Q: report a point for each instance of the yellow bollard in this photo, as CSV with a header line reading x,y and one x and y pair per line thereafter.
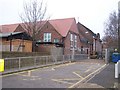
x,y
1,65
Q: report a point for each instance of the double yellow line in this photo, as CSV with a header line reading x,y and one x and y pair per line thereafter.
x,y
93,73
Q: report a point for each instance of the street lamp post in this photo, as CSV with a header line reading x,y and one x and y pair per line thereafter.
x,y
119,26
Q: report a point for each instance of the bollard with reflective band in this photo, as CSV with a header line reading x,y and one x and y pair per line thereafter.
x,y
1,65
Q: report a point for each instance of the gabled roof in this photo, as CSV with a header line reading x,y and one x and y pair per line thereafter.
x,y
85,32
63,26
8,28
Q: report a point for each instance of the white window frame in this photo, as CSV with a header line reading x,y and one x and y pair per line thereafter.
x,y
47,37
71,40
56,40
71,37
75,41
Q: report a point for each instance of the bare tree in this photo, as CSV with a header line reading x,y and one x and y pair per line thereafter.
x,y
111,31
33,18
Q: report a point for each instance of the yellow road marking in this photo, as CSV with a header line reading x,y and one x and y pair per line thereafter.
x,y
78,75
61,81
94,75
39,78
87,76
32,79
87,70
16,73
53,69
12,74
24,79
116,85
90,68
63,65
69,79
28,74
35,76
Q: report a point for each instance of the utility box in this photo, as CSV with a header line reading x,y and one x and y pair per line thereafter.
x,y
115,57
1,65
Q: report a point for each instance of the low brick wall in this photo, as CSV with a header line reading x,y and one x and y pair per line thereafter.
x,y
22,54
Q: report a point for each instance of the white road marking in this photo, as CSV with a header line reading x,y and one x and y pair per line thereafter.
x,y
87,70
25,79
78,75
61,81
33,79
69,79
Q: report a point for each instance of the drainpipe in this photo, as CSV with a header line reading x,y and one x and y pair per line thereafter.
x,y
10,42
73,53
63,45
95,45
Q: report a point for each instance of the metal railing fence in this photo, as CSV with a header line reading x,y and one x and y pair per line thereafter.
x,y
23,63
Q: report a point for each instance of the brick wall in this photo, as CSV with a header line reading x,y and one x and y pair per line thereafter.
x,y
19,29
67,49
48,28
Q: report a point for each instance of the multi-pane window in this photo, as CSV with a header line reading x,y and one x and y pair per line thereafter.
x,y
71,37
47,37
56,40
73,41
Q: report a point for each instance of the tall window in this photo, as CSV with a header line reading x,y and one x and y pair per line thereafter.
x,y
75,42
71,41
71,37
47,37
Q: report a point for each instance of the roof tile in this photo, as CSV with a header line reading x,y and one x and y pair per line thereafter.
x,y
63,26
8,28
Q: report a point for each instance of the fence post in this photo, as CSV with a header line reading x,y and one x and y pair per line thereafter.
x,y
35,61
46,59
19,62
63,59
69,57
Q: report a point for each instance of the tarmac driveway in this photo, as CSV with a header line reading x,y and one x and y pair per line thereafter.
x,y
58,76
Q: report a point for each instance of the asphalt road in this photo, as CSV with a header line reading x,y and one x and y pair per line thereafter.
x,y
60,76
106,78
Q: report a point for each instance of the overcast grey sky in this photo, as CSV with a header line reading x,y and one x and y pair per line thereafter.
x,y
91,13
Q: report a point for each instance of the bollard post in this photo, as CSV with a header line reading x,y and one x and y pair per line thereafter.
x,y
1,65
106,56
116,70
